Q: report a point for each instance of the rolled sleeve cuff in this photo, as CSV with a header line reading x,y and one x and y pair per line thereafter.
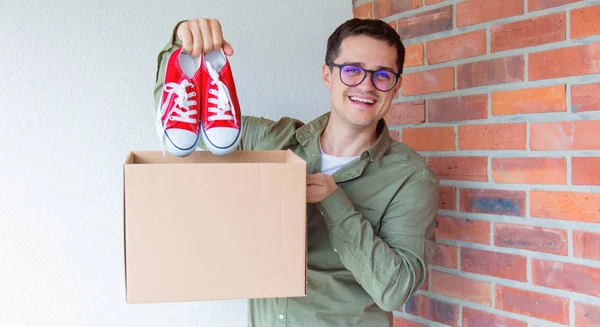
x,y
336,207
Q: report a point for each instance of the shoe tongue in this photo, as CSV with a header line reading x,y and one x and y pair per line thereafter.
x,y
216,60
189,65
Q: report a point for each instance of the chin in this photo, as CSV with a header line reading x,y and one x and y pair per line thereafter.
x,y
359,121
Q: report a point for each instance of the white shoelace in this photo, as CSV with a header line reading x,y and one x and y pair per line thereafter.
x,y
180,111
223,98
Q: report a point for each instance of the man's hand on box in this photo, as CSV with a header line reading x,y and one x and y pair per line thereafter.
x,y
318,187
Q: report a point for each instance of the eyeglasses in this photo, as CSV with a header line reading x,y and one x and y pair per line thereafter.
x,y
351,75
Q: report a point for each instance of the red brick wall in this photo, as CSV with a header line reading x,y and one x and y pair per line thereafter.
x,y
503,98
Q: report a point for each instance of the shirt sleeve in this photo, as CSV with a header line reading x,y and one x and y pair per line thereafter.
x,y
173,44
389,264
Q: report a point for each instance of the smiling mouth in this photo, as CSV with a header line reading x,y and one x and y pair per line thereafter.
x,y
361,100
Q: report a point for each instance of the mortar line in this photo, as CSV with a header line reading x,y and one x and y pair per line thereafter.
x,y
527,136
521,252
571,312
570,242
533,222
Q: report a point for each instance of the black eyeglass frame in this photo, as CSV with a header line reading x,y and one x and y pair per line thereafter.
x,y
340,66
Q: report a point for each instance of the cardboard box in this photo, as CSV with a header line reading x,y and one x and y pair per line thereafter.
x,y
207,227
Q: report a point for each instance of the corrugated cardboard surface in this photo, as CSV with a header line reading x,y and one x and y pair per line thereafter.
x,y
206,227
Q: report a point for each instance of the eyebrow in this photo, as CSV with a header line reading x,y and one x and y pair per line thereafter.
x,y
360,64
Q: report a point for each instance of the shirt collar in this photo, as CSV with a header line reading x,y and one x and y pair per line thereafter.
x,y
315,127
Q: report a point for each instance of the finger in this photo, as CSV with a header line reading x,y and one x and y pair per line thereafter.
x,y
198,42
227,48
206,36
217,34
310,179
310,194
185,35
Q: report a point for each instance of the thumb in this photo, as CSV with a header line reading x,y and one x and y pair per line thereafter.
x,y
227,48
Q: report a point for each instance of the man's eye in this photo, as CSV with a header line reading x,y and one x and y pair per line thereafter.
x,y
383,75
352,70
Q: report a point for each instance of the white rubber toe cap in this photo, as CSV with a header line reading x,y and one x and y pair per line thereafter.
x,y
180,142
221,140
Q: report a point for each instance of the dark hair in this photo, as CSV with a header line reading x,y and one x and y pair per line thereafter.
x,y
374,28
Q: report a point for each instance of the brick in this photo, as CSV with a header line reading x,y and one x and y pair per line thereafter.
x,y
583,207
492,137
428,22
411,112
466,230
430,138
472,12
430,2
587,315
395,135
584,21
476,318
461,288
447,199
414,55
586,245
401,322
461,46
532,304
571,135
363,11
432,309
394,25
531,238
431,81
585,97
385,8
491,72
499,202
501,265
577,60
530,32
585,170
566,276
529,170
531,100
460,168
468,107
445,256
534,5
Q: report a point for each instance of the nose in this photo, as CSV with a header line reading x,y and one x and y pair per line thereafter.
x,y
367,83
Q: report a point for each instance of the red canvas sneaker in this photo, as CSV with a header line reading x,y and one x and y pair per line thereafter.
x,y
221,116
178,114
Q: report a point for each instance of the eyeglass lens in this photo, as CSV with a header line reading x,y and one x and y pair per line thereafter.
x,y
383,80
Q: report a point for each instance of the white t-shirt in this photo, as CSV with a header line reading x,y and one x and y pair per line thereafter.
x,y
330,164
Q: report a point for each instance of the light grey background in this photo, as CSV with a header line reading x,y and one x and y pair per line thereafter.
x,y
76,96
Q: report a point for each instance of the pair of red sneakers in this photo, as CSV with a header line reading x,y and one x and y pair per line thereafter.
x,y
198,99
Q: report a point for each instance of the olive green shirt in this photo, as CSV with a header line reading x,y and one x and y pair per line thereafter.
x,y
368,244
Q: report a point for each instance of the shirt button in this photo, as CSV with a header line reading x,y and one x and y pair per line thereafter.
x,y
334,250
281,317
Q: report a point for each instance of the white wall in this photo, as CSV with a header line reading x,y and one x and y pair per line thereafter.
x,y
75,96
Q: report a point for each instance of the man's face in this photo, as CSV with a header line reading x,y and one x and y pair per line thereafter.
x,y
363,105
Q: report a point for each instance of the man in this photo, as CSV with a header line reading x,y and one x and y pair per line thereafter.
x,y
372,202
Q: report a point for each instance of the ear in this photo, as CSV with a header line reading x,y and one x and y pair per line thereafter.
x,y
326,72
398,86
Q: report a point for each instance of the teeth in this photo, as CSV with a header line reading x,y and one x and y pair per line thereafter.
x,y
362,100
